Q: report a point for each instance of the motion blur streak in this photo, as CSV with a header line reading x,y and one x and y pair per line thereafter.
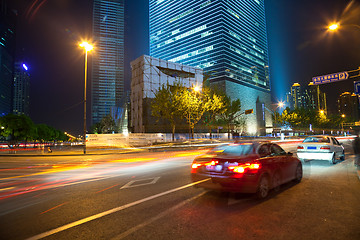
x,y
53,208
107,188
99,215
35,10
188,154
134,160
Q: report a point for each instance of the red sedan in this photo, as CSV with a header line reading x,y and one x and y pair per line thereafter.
x,y
246,166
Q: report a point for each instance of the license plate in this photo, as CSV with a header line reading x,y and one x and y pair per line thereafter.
x,y
217,168
311,147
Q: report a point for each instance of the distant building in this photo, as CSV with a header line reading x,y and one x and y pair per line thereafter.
x,y
148,75
314,98
228,39
348,104
309,98
289,101
296,95
7,56
107,85
21,89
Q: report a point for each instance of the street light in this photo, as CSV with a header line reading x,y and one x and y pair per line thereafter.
x,y
196,89
87,47
342,123
333,26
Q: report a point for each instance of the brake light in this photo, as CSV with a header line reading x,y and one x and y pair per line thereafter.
x,y
325,148
196,165
300,147
212,163
247,167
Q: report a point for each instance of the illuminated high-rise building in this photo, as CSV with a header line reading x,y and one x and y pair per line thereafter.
x,y
108,58
7,56
296,95
226,38
21,96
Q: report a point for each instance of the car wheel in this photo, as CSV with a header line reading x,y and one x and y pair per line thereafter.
x,y
263,188
342,158
333,160
298,173
276,181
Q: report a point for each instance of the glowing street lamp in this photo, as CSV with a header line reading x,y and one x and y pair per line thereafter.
x,y
333,26
281,104
87,47
196,89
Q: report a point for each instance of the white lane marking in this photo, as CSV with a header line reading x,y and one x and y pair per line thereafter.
x,y
151,220
99,215
150,181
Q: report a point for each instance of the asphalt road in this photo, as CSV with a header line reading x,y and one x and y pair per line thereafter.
x,y
150,196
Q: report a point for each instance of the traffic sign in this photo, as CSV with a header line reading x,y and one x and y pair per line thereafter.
x,y
333,77
357,87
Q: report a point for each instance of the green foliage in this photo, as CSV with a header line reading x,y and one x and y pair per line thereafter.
x,y
16,128
301,118
106,125
232,114
193,105
177,102
166,104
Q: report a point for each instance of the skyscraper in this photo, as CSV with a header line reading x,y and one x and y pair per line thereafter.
x,y
108,58
296,95
21,89
7,56
227,39
348,104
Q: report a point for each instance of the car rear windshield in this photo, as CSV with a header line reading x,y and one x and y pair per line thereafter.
x,y
317,139
234,149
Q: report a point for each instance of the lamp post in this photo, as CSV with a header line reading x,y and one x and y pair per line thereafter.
x,y
87,47
342,123
278,105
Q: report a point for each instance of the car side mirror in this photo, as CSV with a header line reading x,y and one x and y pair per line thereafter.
x,y
290,153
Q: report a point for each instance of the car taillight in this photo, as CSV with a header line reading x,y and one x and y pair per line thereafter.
x,y
247,167
212,163
325,148
196,165
300,147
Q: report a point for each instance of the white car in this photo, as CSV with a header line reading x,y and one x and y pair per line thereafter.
x,y
321,148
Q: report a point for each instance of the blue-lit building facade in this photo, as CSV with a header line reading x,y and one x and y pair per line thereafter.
x,y
7,56
107,83
226,38
21,93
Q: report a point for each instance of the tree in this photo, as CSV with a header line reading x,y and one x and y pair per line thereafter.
x,y
106,125
166,104
232,113
216,106
192,106
17,128
44,133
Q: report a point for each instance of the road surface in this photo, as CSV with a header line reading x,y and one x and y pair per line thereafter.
x,y
150,196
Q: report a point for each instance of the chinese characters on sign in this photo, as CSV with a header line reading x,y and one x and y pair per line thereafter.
x,y
334,77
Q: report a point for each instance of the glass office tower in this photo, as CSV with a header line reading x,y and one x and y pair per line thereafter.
x,y
228,39
7,56
21,98
108,58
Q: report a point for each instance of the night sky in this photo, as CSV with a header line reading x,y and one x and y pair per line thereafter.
x,y
299,47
